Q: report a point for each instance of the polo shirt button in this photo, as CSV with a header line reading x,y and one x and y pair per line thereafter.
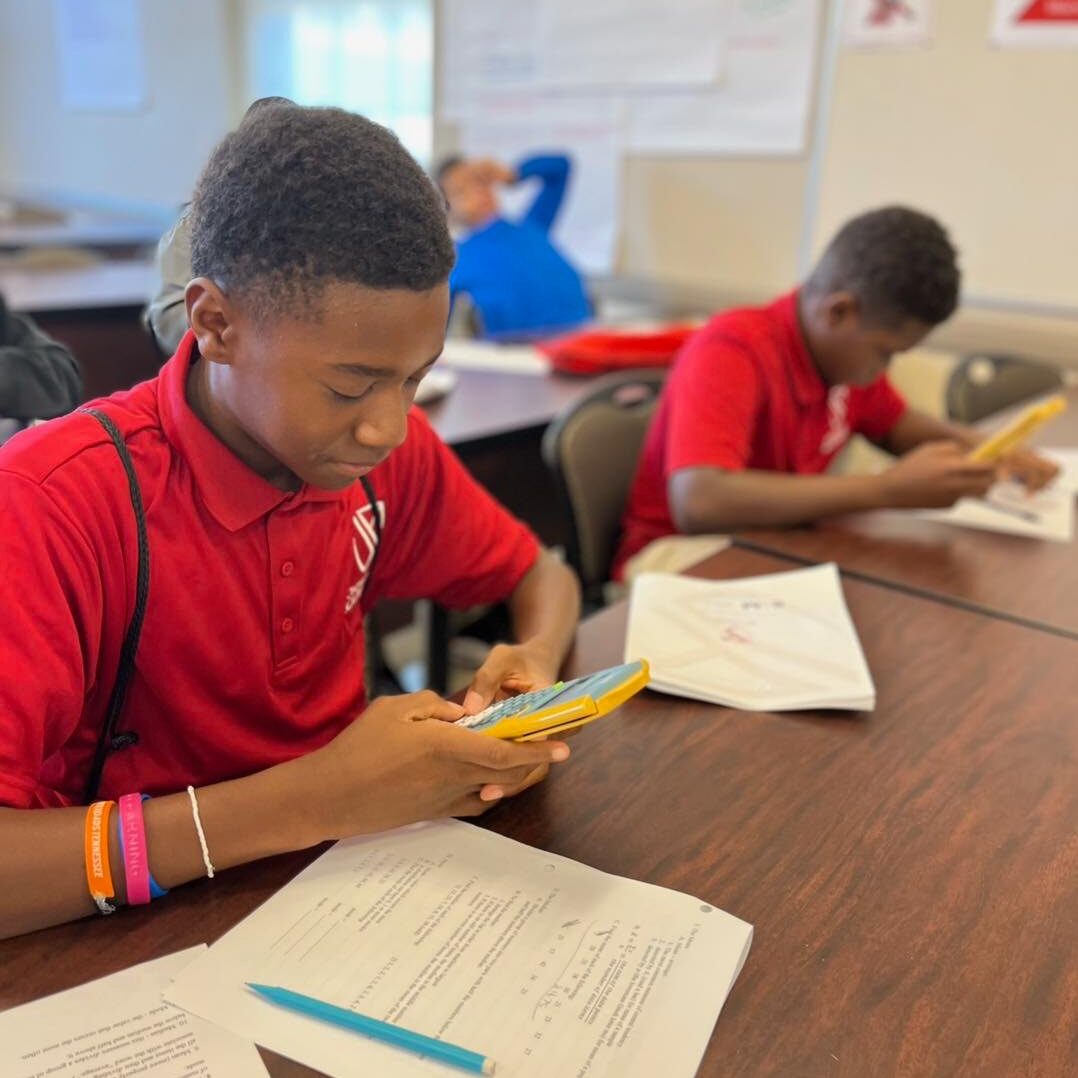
x,y
286,568
287,625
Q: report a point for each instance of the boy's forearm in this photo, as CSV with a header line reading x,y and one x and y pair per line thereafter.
x,y
43,879
710,501
545,607
915,428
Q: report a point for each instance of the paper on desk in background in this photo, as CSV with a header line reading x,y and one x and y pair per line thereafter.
x,y
436,384
544,965
118,1026
780,642
486,356
1067,459
1008,508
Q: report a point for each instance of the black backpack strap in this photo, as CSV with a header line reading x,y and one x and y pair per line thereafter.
x,y
109,739
368,489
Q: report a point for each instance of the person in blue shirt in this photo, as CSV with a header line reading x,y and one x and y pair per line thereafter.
x,y
518,281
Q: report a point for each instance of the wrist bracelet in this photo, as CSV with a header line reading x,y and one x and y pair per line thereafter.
x,y
96,851
141,886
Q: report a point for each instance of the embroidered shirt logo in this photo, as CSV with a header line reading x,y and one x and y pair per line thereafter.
x,y
364,545
838,425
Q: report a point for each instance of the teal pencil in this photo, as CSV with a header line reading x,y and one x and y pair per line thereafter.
x,y
376,1029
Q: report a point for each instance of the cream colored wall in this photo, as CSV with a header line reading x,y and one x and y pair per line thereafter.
x,y
982,137
731,225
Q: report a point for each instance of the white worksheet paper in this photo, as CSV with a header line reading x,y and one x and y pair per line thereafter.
x,y
1067,459
487,356
542,964
118,1026
780,642
1008,508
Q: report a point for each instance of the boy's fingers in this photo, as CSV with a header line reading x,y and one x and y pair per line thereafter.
x,y
496,755
437,709
487,681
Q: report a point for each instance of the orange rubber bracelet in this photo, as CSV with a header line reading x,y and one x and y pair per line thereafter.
x,y
98,869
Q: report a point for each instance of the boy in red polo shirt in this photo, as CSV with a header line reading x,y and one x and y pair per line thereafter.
x,y
761,400
320,299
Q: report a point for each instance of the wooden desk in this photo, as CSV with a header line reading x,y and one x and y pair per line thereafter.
x,y
491,404
495,421
1028,580
912,875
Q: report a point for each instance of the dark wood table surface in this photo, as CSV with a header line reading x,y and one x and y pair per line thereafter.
x,y
1028,580
490,404
495,421
912,874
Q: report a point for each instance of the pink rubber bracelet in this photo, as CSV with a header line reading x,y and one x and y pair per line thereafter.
x,y
136,856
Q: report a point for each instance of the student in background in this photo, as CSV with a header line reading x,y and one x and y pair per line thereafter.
x,y
518,281
165,317
39,378
761,400
288,485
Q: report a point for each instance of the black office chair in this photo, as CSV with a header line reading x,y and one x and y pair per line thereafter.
x,y
981,385
592,450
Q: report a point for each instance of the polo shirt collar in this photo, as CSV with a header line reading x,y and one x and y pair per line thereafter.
x,y
808,386
234,493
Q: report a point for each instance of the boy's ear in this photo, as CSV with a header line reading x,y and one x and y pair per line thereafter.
x,y
841,309
211,316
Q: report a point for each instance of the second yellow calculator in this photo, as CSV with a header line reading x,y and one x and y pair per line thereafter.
x,y
561,707
1018,430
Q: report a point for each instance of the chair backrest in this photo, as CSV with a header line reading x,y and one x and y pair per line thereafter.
x,y
981,385
592,450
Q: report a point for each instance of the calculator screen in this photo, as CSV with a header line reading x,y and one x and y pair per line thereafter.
x,y
594,685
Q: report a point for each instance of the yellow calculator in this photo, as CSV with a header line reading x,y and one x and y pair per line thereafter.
x,y
1018,430
561,707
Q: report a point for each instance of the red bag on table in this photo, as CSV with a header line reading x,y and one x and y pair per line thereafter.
x,y
599,351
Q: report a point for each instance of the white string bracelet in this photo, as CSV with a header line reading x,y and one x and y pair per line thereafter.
x,y
201,834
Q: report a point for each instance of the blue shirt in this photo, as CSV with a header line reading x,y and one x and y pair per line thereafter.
x,y
520,283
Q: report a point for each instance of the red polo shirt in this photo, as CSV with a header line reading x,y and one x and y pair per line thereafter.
x,y
252,644
744,393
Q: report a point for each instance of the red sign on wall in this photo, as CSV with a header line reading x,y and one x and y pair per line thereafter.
x,y
1041,11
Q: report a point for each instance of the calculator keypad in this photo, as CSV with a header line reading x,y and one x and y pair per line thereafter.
x,y
511,707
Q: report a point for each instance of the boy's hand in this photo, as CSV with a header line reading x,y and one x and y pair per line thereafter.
x,y
510,669
934,476
403,761
488,170
1029,468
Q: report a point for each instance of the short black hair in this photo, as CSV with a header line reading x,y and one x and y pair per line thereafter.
x,y
444,165
898,262
296,198
260,103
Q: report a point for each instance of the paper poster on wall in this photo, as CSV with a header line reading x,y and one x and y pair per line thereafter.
x,y
589,132
630,44
556,46
101,57
887,24
763,104
1035,24
487,47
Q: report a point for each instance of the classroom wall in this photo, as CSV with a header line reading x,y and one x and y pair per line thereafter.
x,y
731,225
980,136
150,157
